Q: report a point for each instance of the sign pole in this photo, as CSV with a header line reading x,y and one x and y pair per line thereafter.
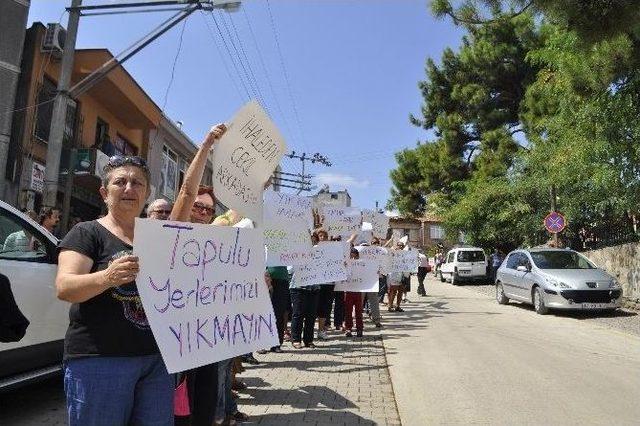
x,y
553,209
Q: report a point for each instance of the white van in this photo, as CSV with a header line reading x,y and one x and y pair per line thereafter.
x,y
464,264
28,263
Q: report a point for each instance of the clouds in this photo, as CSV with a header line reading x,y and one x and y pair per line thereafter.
x,y
340,180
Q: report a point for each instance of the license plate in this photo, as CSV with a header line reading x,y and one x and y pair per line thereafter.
x,y
464,272
596,305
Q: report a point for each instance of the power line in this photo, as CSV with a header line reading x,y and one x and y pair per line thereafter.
x,y
173,67
285,73
235,48
222,58
244,53
226,46
266,72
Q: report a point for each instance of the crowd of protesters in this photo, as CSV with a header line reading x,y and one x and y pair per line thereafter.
x,y
113,371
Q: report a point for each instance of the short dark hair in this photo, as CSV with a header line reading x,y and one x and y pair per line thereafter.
x,y
204,189
46,213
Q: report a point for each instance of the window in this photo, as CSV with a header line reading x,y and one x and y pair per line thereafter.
x,y
182,173
168,173
436,232
450,257
414,234
560,260
471,256
18,241
102,137
513,261
44,111
123,146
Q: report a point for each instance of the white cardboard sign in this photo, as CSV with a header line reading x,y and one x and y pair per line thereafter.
x,y
287,219
379,222
203,291
362,277
343,221
324,265
403,261
245,158
378,254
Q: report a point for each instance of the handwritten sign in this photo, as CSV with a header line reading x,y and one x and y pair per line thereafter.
x,y
378,254
287,219
244,158
203,291
362,277
324,265
403,261
343,221
379,222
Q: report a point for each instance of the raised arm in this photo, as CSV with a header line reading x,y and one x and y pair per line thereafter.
x,y
184,201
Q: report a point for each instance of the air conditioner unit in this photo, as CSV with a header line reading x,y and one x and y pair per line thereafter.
x,y
54,39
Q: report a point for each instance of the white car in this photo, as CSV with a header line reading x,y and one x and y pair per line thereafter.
x,y
28,260
464,264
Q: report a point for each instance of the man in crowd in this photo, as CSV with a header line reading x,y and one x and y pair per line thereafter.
x,y
159,209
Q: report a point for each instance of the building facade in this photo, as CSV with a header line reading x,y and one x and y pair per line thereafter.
x,y
325,197
426,233
13,20
115,116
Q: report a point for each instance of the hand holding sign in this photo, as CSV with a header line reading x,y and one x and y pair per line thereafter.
x,y
245,158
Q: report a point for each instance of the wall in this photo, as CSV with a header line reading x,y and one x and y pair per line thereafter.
x,y
622,262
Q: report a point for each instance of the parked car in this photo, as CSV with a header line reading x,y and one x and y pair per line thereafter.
x,y
28,262
464,264
556,279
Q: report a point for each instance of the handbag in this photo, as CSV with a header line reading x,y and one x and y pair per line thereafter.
x,y
181,406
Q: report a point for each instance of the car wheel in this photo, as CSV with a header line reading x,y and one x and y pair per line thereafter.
x,y
500,297
441,277
454,279
538,302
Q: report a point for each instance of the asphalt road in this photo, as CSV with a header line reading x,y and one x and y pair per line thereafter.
x,y
457,357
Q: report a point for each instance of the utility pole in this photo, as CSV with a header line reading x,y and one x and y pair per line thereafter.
x,y
552,193
316,158
59,115
68,189
64,93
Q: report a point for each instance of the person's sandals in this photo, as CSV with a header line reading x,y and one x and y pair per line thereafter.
x,y
348,334
359,334
309,345
391,308
276,349
399,309
240,416
297,345
239,385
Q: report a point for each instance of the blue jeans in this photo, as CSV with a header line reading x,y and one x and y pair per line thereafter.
x,y
226,405
110,391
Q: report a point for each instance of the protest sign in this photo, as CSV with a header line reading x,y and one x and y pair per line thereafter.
x,y
287,219
288,208
244,159
366,234
362,277
324,265
377,254
203,291
403,261
379,222
342,221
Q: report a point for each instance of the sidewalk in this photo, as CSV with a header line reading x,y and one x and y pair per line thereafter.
x,y
343,381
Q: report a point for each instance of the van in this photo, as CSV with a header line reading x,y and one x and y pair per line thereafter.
x,y
464,264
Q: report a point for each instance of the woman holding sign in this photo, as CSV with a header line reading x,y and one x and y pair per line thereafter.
x,y
113,372
196,203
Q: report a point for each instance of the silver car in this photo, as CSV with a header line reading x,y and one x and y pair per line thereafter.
x,y
556,279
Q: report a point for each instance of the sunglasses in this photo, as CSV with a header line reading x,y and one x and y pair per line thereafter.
x,y
161,211
121,160
203,208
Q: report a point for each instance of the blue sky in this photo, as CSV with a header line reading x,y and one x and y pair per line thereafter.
x,y
344,84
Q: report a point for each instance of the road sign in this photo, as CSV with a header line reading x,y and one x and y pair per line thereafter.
x,y
555,222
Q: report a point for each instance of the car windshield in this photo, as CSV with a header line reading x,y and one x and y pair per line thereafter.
x,y
471,256
560,260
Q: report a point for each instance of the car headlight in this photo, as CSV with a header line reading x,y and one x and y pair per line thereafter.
x,y
614,284
557,283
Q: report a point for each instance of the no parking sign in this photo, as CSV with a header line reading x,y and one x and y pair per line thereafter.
x,y
555,222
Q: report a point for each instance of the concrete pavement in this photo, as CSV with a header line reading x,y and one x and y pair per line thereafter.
x,y
457,357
